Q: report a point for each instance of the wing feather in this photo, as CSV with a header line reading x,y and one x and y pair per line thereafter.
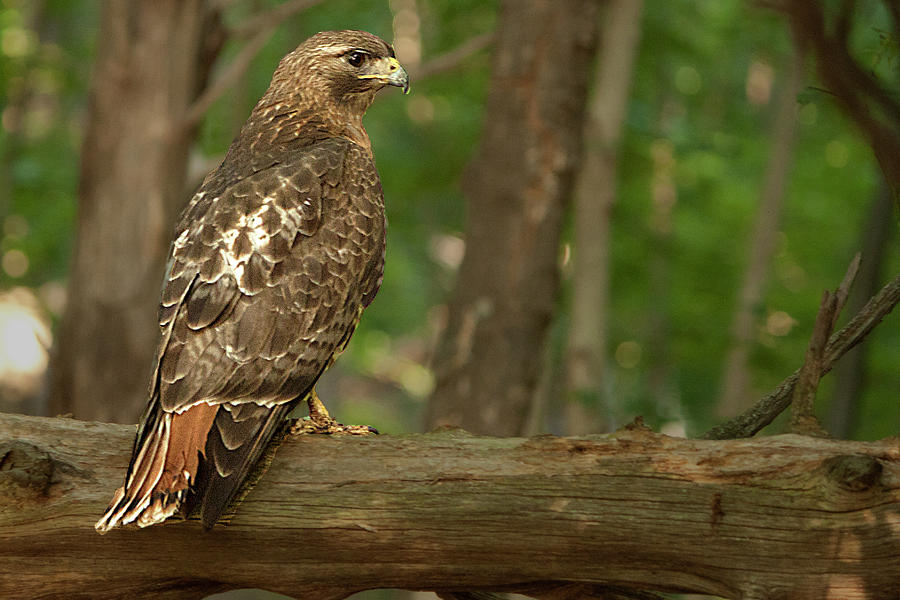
x,y
209,302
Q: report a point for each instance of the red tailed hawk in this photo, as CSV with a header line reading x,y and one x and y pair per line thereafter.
x,y
275,257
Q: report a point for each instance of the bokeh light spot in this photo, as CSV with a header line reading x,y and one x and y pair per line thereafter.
x,y
688,80
628,354
15,263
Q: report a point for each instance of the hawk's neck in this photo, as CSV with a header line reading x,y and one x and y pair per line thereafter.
x,y
306,120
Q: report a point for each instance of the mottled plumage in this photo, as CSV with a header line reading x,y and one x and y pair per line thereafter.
x,y
274,259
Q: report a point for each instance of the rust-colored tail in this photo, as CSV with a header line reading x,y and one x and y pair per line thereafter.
x,y
164,463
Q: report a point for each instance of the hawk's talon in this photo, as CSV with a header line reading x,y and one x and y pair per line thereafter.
x,y
307,426
320,422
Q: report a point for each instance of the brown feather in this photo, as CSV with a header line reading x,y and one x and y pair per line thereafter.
x,y
187,442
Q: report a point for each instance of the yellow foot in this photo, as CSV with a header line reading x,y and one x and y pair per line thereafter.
x,y
308,426
318,414
320,421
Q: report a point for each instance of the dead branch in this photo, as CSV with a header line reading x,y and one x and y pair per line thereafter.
x,y
780,517
751,421
803,417
229,76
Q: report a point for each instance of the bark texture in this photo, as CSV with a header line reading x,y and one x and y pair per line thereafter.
x,y
152,58
780,518
488,360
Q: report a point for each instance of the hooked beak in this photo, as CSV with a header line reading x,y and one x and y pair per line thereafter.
x,y
398,77
390,72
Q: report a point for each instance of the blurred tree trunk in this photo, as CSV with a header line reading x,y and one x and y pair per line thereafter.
x,y
735,394
664,194
594,197
152,58
488,359
850,373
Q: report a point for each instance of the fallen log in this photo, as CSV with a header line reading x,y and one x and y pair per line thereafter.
x,y
782,517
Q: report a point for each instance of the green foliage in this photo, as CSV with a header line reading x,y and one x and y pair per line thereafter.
x,y
689,93
45,68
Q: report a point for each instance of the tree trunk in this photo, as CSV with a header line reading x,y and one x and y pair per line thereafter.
x,y
780,518
149,68
594,197
736,394
488,360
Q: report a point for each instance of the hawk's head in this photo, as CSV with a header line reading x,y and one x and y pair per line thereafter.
x,y
343,67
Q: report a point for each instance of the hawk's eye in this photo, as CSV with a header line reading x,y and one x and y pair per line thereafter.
x,y
356,58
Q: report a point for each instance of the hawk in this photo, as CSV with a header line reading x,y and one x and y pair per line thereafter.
x,y
274,259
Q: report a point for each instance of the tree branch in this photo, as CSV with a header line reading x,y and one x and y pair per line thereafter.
x,y
803,416
261,29
452,58
782,517
751,421
865,100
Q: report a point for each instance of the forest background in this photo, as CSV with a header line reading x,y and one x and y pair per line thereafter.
x,y
739,192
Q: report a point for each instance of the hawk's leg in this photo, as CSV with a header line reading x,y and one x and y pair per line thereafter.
x,y
321,422
318,414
